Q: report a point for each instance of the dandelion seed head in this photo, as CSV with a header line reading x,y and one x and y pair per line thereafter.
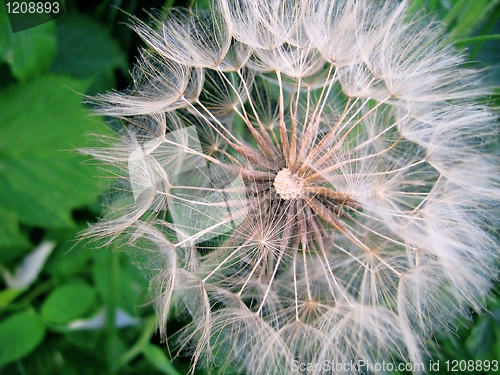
x,y
308,180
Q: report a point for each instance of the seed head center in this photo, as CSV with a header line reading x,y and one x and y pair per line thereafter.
x,y
288,185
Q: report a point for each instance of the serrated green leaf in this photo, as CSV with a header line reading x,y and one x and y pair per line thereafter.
x,y
68,302
158,359
40,123
29,52
19,335
87,50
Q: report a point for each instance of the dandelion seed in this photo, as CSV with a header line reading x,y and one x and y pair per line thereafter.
x,y
309,180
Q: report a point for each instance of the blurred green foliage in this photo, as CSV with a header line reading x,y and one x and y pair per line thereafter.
x,y
66,308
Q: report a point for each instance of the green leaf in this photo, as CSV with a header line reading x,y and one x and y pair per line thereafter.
x,y
200,4
167,7
158,359
468,16
40,123
70,257
455,11
68,302
9,295
477,39
19,335
87,50
147,332
129,293
10,235
481,339
29,52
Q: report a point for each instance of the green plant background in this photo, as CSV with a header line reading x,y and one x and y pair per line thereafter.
x,y
86,310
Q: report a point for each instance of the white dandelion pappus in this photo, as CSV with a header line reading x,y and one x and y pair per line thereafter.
x,y
309,180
